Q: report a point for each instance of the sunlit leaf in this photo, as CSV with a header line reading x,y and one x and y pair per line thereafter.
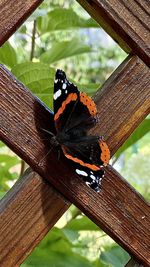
x,y
2,144
2,194
72,235
63,50
38,77
89,88
56,249
83,223
8,55
47,258
115,256
64,19
9,160
37,13
142,129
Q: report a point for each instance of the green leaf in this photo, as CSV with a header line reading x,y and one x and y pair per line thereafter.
x,y
72,235
2,194
8,55
89,88
64,19
83,223
115,256
63,50
56,250
8,160
99,263
39,12
38,77
52,237
2,144
47,258
143,129
5,175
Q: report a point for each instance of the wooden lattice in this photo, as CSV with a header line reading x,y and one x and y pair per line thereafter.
x,y
33,205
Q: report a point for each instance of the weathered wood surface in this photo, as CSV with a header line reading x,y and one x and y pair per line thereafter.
x,y
13,14
27,212
133,263
128,22
123,102
117,209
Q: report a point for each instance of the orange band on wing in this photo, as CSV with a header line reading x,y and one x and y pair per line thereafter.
x,y
71,97
89,103
90,166
105,155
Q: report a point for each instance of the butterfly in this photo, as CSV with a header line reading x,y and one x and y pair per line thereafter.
x,y
74,115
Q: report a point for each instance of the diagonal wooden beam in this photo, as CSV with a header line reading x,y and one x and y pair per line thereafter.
x,y
127,22
13,15
123,102
118,209
133,263
27,212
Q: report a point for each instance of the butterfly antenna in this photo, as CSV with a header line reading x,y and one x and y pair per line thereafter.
x,y
46,131
46,154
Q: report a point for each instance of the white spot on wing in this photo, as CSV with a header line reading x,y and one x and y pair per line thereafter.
x,y
64,86
57,94
93,177
66,91
56,80
87,183
81,172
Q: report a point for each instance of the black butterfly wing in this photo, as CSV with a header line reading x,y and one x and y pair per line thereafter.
x,y
72,109
74,114
89,155
62,88
92,178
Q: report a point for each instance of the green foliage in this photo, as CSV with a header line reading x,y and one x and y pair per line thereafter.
x,y
82,223
56,250
8,55
38,77
6,163
63,50
140,131
63,19
114,256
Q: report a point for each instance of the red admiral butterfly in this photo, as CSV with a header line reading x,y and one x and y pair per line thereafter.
x,y
74,115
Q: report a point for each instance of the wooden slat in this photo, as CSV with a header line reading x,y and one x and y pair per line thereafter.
x,y
27,212
118,209
128,22
124,101
13,14
133,263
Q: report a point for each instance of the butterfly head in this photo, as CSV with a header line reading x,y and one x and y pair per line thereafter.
x,y
60,75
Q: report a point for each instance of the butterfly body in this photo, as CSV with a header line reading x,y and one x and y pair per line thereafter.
x,y
74,115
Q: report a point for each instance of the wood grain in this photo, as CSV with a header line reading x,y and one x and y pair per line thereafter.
x,y
133,263
126,101
127,22
13,15
117,209
27,212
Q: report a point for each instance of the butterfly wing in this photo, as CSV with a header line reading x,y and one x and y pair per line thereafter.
x,y
74,115
72,108
89,156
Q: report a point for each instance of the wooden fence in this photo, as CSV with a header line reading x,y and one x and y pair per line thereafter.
x,y
35,203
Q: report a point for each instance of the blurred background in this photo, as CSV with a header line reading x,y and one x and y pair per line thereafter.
x,y
60,34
